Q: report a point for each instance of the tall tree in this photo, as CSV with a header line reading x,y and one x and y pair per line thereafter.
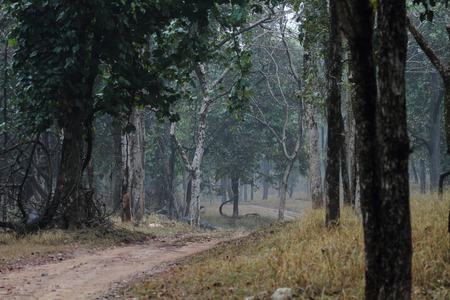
x,y
137,163
63,49
334,74
383,153
313,134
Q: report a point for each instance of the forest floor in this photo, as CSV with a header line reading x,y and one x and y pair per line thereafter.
x,y
100,272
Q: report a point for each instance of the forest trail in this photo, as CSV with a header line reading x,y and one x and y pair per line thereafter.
x,y
91,275
266,211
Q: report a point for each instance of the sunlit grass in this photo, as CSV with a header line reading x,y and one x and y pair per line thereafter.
x,y
316,263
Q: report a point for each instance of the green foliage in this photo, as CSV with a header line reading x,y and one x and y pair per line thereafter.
x,y
67,49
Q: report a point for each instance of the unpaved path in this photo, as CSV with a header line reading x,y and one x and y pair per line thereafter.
x,y
89,276
266,211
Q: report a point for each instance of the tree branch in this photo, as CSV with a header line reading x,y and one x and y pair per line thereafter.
x,y
249,27
426,48
180,148
422,140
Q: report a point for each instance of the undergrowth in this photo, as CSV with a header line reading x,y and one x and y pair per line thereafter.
x,y
316,263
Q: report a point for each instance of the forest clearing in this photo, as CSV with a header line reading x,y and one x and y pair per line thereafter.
x,y
244,149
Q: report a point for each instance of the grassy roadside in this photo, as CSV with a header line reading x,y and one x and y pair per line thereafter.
x,y
15,247
303,255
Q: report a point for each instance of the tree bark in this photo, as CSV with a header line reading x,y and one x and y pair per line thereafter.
x,y
345,138
229,189
382,168
235,188
69,186
441,184
168,164
284,184
413,166
126,180
223,187
395,257
117,175
137,171
437,94
266,168
422,176
251,188
353,162
324,161
187,209
314,158
357,194
334,71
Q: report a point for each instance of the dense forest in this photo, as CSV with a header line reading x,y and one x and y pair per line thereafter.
x,y
132,108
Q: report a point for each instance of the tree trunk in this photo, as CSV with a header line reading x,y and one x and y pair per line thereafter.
x,y
235,188
223,187
414,171
229,189
324,161
382,168
137,171
435,121
195,199
353,162
126,181
422,176
357,195
284,184
334,118
394,260
194,167
251,188
4,197
117,175
69,188
168,165
187,208
345,138
314,158
266,168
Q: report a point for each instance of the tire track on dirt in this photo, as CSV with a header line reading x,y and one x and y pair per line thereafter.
x,y
89,276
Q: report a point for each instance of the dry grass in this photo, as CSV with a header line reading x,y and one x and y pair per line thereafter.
x,y
13,246
303,255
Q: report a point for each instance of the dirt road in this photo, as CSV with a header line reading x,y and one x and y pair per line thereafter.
x,y
90,275
266,211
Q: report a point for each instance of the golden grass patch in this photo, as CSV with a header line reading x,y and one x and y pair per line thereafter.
x,y
315,262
